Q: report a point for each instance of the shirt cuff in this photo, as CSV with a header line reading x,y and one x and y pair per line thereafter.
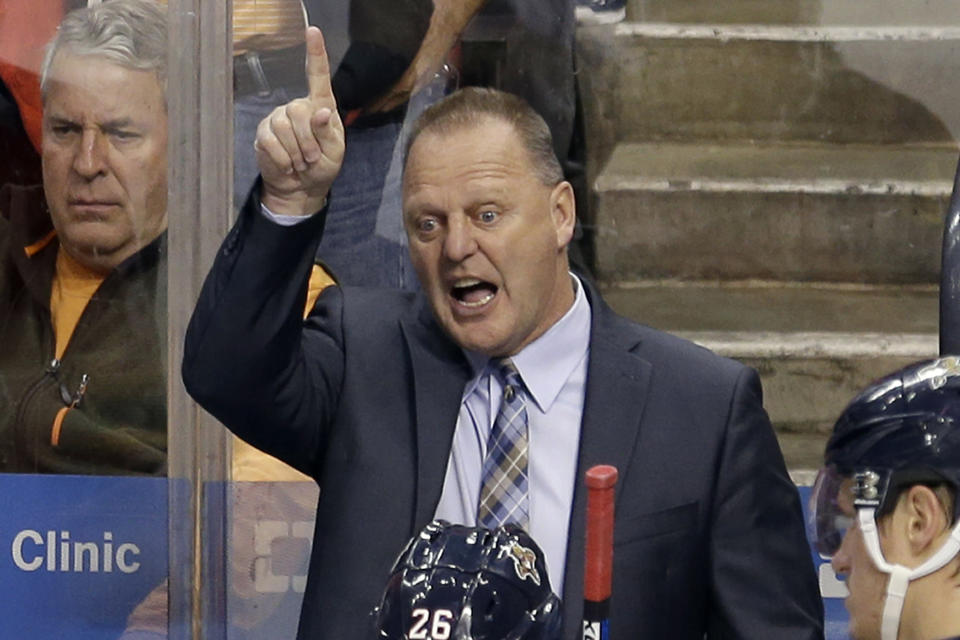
x,y
286,220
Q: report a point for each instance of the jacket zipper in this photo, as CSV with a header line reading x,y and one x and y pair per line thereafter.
x,y
49,375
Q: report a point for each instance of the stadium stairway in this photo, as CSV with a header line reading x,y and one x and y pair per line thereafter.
x,y
769,179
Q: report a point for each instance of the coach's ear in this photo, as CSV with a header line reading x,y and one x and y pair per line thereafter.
x,y
925,522
563,210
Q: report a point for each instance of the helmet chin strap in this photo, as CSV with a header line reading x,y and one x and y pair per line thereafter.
x,y
900,576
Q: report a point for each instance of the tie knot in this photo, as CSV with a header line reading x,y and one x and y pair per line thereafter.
x,y
510,376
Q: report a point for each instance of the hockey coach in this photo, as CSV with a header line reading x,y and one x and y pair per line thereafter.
x,y
482,398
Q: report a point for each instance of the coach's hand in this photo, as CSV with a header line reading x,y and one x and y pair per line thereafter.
x,y
300,144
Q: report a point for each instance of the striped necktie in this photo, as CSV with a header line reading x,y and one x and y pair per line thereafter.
x,y
504,485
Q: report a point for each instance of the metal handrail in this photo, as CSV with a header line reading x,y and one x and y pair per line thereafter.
x,y
950,274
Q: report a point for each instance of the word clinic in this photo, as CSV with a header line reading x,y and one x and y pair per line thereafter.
x,y
31,552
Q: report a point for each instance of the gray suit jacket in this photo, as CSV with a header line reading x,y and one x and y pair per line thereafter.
x,y
364,397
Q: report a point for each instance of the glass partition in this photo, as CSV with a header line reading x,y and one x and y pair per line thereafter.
x,y
200,214
84,454
766,179
271,512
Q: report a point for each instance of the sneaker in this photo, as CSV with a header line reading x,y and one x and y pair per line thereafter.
x,y
591,12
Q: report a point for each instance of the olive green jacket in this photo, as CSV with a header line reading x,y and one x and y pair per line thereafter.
x,y
110,384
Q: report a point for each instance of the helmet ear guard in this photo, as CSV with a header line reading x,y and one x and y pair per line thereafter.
x,y
835,500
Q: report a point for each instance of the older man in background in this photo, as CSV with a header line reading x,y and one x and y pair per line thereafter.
x,y
83,272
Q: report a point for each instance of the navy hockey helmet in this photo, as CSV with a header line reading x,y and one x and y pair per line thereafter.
x,y
469,583
902,430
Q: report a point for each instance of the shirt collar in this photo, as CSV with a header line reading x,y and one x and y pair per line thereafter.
x,y
546,363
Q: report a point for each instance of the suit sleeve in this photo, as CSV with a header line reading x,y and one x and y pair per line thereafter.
x,y
249,358
763,583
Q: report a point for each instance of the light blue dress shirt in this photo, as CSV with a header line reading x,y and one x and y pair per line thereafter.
x,y
554,370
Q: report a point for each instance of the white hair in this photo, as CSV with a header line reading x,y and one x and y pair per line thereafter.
x,y
130,33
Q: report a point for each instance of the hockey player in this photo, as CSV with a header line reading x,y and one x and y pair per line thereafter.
x,y
885,505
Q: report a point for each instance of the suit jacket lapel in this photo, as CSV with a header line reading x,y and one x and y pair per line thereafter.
x,y
617,385
440,373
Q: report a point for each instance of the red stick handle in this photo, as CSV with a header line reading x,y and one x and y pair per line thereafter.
x,y
598,569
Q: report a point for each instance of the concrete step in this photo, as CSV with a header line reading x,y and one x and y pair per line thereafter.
x,y
715,82
813,212
809,378
808,12
803,453
814,345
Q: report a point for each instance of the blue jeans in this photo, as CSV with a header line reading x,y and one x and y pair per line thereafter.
x,y
364,242
248,111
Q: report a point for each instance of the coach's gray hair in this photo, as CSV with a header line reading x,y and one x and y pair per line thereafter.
x,y
130,33
473,105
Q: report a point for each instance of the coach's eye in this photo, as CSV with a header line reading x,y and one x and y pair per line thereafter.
x,y
427,225
488,216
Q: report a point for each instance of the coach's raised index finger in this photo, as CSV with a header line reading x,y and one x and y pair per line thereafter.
x,y
318,70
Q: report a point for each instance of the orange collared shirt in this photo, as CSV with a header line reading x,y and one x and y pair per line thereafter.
x,y
73,287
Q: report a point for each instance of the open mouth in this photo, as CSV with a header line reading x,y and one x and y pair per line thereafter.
x,y
473,293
